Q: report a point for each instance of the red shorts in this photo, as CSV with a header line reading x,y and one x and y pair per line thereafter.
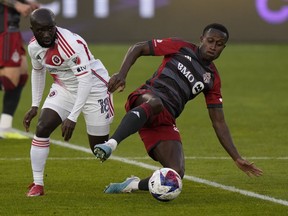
x,y
11,49
159,128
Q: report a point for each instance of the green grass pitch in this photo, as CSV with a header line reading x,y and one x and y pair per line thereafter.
x,y
254,88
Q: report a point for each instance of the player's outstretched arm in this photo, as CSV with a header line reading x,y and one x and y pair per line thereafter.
x,y
117,81
224,136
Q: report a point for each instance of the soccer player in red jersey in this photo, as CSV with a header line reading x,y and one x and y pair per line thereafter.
x,y
13,62
186,71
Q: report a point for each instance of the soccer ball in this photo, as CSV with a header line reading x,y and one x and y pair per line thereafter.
x,y
165,184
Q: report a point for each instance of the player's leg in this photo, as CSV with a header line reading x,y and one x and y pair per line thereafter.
x,y
144,107
163,143
13,77
9,81
94,140
51,116
48,121
169,153
12,83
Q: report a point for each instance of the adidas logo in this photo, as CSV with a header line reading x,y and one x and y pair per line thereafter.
x,y
136,113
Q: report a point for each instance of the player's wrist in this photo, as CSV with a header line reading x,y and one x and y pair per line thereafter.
x,y
236,159
34,107
72,118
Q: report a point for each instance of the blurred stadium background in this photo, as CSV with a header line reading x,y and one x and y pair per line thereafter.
x,y
128,21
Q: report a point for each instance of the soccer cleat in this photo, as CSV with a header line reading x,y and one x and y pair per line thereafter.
x,y
10,133
35,190
123,187
102,151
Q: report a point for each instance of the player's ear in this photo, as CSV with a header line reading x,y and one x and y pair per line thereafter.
x,y
201,38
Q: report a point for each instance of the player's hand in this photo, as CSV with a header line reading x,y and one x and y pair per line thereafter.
x,y
116,82
249,168
67,127
33,4
28,117
23,9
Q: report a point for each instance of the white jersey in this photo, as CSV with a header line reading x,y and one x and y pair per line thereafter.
x,y
72,66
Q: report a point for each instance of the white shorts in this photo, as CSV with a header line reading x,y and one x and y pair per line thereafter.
x,y
98,111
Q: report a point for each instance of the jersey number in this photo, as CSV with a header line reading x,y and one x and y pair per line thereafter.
x,y
198,87
104,103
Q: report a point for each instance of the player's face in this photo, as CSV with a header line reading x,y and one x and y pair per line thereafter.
x,y
212,44
44,34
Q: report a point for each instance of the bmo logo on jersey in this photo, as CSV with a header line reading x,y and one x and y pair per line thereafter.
x,y
198,86
185,72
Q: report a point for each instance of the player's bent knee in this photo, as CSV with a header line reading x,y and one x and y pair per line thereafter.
x,y
156,104
42,130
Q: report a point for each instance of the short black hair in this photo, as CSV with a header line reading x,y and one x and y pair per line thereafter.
x,y
217,26
42,14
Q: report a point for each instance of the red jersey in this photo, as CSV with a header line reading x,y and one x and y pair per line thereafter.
x,y
182,75
10,37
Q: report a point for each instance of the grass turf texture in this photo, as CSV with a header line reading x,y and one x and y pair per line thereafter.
x,y
254,83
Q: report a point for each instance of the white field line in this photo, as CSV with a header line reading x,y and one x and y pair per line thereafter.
x,y
50,158
147,158
191,178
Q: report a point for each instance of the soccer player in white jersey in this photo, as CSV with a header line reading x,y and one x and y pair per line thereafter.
x,y
80,85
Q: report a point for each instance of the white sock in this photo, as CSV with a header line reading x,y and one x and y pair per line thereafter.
x,y
134,185
6,121
39,153
112,143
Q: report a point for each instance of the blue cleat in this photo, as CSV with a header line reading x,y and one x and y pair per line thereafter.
x,y
102,151
124,187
